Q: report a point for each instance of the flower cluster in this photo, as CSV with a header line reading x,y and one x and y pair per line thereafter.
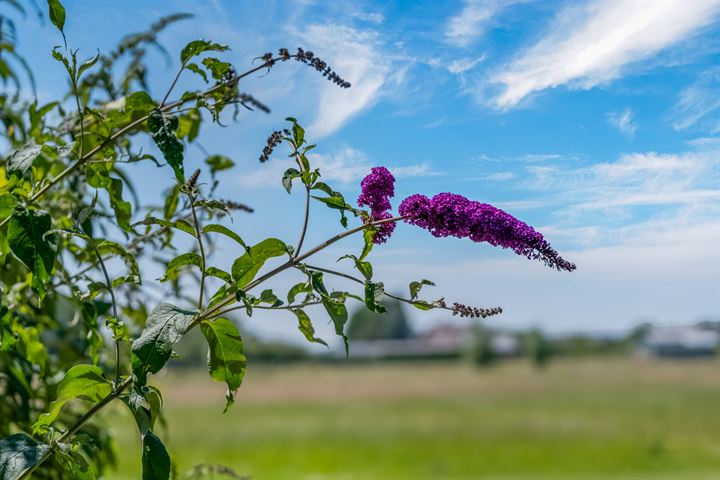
x,y
377,189
448,214
308,58
273,141
474,312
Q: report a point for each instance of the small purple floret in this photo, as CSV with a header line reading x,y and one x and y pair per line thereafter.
x,y
448,214
377,189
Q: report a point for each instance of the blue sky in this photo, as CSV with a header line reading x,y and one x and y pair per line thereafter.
x,y
596,122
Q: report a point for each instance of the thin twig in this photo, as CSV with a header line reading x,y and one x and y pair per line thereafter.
x,y
202,250
109,285
262,307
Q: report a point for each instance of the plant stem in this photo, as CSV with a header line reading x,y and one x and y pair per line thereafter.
x,y
109,285
290,263
305,223
261,307
202,250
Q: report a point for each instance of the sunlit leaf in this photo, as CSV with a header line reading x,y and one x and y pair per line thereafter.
x,y
247,266
196,47
226,360
306,326
174,265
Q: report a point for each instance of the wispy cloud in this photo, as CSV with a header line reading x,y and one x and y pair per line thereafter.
x,y
358,56
699,104
472,21
462,65
346,165
595,43
623,121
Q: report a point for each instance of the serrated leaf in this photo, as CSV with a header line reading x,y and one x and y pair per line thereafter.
x,y
165,326
174,265
247,266
374,292
155,458
306,326
81,381
221,229
162,130
196,47
21,160
226,360
18,453
29,243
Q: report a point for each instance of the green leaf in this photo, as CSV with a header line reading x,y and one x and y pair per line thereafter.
x,y
87,65
218,163
339,315
56,12
416,286
181,225
193,67
7,204
246,267
29,243
289,175
306,326
298,132
155,458
21,160
165,326
217,68
81,381
226,360
109,247
171,203
140,103
374,292
215,228
267,296
221,274
363,267
368,235
174,265
302,287
18,453
196,47
162,130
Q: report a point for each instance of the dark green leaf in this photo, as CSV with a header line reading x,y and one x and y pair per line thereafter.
x,y
374,292
174,265
18,453
246,267
213,227
363,267
162,130
155,458
217,68
81,381
302,287
226,360
181,225
29,243
218,163
306,326
21,160
193,67
339,315
288,176
165,326
298,132
196,47
416,286
267,296
56,12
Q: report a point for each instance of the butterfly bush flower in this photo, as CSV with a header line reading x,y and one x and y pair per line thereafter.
x,y
448,214
377,189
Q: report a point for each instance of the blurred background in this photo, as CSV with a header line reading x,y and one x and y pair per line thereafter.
x,y
596,122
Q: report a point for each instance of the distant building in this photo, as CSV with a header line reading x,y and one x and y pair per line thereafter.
x,y
683,341
443,341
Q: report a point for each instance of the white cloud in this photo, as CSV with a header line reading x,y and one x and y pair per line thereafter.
x,y
462,65
347,165
623,121
496,177
595,43
698,104
472,21
357,56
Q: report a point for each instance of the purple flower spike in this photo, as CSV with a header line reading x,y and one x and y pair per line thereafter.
x,y
377,189
448,214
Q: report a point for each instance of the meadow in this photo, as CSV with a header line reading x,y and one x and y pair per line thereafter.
x,y
625,419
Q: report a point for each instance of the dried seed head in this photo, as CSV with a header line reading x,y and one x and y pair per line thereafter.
x,y
192,181
273,141
474,312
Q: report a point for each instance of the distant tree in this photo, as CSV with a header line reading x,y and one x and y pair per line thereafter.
x,y
538,348
368,325
480,350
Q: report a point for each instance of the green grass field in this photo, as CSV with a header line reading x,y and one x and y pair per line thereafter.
x,y
580,419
